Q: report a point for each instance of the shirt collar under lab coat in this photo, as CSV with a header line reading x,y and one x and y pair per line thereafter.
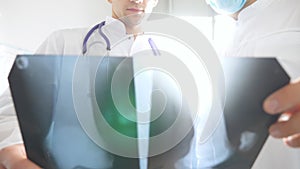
x,y
115,30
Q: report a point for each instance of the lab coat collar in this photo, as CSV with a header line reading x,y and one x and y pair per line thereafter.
x,y
115,25
115,30
120,42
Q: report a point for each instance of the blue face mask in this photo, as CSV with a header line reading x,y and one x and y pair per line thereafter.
x,y
226,6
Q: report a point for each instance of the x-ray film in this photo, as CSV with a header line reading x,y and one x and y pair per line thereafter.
x,y
74,114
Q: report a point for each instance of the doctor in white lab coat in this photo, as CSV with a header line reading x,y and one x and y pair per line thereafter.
x,y
271,28
12,153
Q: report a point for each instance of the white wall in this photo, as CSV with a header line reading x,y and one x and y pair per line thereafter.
x,y
26,23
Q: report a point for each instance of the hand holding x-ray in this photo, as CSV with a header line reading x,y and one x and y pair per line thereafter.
x,y
286,100
14,157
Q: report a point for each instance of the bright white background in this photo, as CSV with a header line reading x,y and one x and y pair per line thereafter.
x,y
26,23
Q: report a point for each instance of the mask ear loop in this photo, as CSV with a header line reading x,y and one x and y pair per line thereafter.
x,y
213,27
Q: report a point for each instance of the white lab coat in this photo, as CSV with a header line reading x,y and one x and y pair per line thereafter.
x,y
271,28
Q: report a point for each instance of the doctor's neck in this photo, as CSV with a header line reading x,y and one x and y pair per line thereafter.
x,y
248,3
132,26
133,30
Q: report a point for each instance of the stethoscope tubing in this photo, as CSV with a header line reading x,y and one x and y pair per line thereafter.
x,y
108,45
89,34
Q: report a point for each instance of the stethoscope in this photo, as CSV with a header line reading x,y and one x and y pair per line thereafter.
x,y
108,45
